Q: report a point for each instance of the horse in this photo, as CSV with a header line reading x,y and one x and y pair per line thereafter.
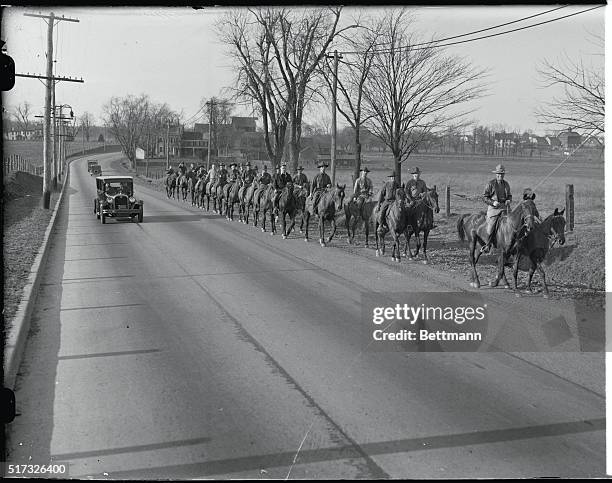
x,y
171,184
182,185
193,181
473,228
248,201
300,193
421,216
533,248
200,190
217,195
330,201
351,212
263,201
397,222
231,198
287,205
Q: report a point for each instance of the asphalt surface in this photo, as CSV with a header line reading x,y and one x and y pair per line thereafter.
x,y
192,347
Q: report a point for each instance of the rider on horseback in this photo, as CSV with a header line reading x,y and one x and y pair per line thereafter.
x,y
248,174
182,169
320,182
170,170
234,174
497,196
300,179
416,187
362,191
385,198
280,181
265,177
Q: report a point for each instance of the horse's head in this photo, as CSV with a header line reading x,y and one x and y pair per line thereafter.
x,y
431,196
557,226
339,195
400,196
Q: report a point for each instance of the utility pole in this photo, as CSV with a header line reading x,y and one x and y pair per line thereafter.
x,y
167,145
54,138
48,149
334,127
210,110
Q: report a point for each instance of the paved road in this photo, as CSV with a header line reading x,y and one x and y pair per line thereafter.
x,y
189,347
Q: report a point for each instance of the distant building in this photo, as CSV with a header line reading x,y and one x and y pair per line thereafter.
x,y
23,135
569,139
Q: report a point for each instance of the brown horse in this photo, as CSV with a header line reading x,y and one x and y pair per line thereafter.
x,y
287,205
300,193
171,185
182,186
231,197
263,203
473,228
421,216
533,248
331,200
248,201
352,212
397,222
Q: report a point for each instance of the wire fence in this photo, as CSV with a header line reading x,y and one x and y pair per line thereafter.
x,y
15,162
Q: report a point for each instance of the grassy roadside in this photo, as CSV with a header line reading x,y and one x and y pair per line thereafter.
x,y
25,223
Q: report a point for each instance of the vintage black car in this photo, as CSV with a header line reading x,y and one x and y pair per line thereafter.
x,y
96,170
115,198
90,164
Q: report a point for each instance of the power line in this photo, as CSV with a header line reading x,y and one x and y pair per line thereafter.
x,y
481,30
411,47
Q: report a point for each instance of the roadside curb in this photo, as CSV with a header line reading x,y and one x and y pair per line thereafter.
x,y
17,335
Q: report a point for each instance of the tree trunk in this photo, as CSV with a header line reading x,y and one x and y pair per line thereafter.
x,y
357,156
397,167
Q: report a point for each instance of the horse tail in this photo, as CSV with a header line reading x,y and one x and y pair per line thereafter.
x,y
461,227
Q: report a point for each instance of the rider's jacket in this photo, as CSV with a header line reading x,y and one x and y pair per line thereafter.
x,y
320,182
234,174
300,179
497,191
248,176
414,188
363,187
213,174
281,180
223,176
388,191
265,178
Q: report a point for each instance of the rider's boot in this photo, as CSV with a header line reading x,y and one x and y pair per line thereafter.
x,y
487,248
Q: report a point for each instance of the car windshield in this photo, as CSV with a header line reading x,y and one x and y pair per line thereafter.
x,y
116,187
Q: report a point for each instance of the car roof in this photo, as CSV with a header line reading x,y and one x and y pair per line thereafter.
x,y
115,178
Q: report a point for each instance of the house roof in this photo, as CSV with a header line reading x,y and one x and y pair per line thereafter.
x,y
238,121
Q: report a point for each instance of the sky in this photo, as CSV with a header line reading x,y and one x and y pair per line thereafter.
x,y
174,56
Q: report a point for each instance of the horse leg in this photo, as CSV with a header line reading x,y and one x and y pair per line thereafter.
x,y
367,233
272,222
321,231
515,270
475,280
395,253
347,221
541,272
307,215
425,235
333,223
292,218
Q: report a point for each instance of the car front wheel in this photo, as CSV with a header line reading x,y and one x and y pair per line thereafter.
x,y
140,216
102,218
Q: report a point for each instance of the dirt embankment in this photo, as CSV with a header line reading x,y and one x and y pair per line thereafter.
x,y
25,223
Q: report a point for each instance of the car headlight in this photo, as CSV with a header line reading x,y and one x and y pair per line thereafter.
x,y
132,199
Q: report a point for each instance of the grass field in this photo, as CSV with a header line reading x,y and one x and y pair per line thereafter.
x,y
574,270
33,150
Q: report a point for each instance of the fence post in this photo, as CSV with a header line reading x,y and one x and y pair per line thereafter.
x,y
448,210
569,206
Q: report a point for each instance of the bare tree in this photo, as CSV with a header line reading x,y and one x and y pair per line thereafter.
x,y
127,119
86,121
22,114
353,72
582,105
278,51
414,89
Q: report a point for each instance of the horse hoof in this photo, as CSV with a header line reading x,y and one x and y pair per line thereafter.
x,y
301,232
284,237
272,233
263,231
411,259
367,245
306,240
425,262
378,253
506,286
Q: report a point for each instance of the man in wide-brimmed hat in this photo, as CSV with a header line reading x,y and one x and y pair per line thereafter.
x,y
248,175
320,182
300,179
498,197
362,191
265,177
280,181
416,187
386,197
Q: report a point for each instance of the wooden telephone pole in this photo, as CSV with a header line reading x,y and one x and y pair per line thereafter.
x,y
48,148
334,126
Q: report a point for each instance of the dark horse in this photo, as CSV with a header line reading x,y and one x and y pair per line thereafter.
x,y
231,197
421,216
247,201
351,212
262,201
397,222
473,228
300,193
287,205
533,248
171,185
183,185
331,200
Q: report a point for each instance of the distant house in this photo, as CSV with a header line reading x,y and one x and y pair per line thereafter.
x,y
194,144
174,138
569,139
554,142
244,124
23,135
593,143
